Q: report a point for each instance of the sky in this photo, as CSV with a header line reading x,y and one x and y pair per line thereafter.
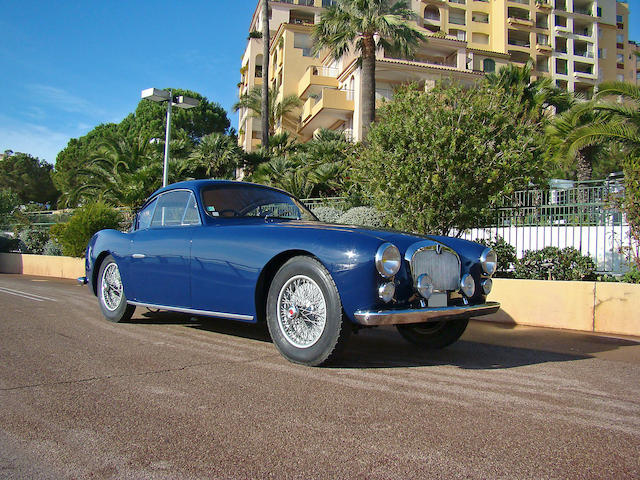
x,y
68,66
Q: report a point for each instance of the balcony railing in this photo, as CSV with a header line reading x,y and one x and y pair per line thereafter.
x,y
519,43
584,53
583,11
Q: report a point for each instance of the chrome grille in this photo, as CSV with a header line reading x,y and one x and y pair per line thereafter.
x,y
440,263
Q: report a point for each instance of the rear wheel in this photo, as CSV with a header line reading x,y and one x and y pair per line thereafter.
x,y
304,313
434,334
113,303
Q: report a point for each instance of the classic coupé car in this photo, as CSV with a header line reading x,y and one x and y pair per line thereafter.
x,y
248,252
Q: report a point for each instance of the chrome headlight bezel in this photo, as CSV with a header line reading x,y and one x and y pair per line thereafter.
x,y
468,285
489,261
388,260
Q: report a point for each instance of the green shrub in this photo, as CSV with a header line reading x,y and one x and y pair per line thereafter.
x,y
552,263
52,248
506,255
85,222
632,276
365,216
33,240
327,214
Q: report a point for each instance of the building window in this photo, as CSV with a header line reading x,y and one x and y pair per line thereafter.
x,y
461,2
431,12
480,17
542,39
561,21
481,38
542,64
620,38
489,65
561,66
619,19
456,16
620,58
459,34
620,77
599,11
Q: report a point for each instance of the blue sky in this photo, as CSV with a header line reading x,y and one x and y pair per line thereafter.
x,y
70,65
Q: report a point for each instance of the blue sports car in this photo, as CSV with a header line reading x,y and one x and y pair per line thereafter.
x,y
252,253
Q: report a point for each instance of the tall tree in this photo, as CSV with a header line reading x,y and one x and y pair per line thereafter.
x,y
28,177
253,101
367,25
265,71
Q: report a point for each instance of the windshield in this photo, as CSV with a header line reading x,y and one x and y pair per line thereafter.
x,y
235,200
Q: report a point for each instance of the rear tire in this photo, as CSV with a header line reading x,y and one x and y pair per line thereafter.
x,y
113,302
434,335
304,313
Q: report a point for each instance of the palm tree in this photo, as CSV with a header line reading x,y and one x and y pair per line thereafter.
x,y
252,100
216,156
537,95
367,25
558,136
124,171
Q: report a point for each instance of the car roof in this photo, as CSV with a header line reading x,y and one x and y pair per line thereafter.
x,y
197,185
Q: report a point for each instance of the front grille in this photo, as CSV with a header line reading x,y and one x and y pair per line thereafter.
x,y
443,267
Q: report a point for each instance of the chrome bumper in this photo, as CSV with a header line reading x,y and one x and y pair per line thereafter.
x,y
82,280
421,315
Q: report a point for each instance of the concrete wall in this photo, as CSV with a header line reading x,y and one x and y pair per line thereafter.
x,y
587,306
42,265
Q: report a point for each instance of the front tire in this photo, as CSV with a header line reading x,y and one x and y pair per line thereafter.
x,y
304,313
433,335
113,302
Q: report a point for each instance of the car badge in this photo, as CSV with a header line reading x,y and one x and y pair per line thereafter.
x,y
438,249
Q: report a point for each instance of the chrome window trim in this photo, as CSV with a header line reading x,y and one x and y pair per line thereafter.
x,y
233,316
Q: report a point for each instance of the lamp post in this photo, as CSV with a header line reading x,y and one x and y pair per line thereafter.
x,y
179,101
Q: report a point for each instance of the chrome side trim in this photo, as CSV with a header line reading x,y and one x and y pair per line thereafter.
x,y
422,315
232,316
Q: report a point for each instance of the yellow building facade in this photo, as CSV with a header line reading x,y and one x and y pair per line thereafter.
x,y
578,43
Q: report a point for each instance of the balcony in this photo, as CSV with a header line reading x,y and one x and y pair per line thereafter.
x,y
315,79
331,106
583,53
584,76
522,22
544,48
543,5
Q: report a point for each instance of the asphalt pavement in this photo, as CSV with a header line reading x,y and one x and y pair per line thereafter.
x,y
169,396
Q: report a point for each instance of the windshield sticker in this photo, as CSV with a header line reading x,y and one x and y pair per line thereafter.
x,y
212,211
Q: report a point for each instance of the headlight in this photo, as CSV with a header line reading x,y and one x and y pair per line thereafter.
x,y
487,285
388,260
387,291
424,285
489,260
468,285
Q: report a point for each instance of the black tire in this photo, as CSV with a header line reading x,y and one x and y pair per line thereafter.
x,y
434,334
298,280
113,302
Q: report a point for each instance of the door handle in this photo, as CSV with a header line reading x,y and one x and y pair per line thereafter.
x,y
138,255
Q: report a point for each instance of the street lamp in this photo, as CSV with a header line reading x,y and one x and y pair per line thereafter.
x,y
179,101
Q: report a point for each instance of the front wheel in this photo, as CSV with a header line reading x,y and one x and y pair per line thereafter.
x,y
304,313
434,334
113,303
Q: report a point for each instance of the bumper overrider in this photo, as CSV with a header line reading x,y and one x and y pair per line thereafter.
x,y
422,315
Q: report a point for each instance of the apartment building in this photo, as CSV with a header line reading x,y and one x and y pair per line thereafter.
x,y
578,43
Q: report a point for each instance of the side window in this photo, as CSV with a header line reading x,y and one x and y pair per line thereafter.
x,y
191,215
171,209
145,215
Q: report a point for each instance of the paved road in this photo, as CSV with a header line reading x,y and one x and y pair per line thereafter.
x,y
167,396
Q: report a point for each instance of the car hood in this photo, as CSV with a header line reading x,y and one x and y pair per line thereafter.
x,y
402,240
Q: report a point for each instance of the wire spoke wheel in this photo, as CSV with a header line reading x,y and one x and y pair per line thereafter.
x,y
111,287
302,311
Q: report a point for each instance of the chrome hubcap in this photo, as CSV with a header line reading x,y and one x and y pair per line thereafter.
x,y
111,291
302,311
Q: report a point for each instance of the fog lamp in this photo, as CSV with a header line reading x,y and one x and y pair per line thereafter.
x,y
468,285
387,291
424,285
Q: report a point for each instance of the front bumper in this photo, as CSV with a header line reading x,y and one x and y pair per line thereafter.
x,y
421,315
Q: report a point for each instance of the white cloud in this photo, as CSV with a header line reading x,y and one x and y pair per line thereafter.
x,y
62,99
37,140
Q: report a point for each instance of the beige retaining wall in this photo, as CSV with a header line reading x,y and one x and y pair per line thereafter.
x,y
588,306
42,265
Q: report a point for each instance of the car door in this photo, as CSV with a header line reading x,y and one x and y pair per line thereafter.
x,y
159,267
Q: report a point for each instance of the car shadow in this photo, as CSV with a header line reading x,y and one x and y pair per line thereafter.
x,y
484,346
